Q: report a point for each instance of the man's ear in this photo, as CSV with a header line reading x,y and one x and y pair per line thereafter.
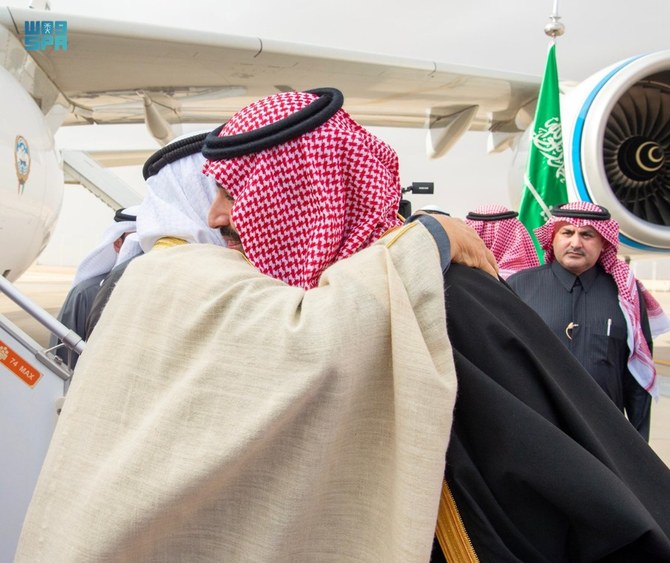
x,y
118,243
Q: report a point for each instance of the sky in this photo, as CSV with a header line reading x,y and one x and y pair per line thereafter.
x,y
503,36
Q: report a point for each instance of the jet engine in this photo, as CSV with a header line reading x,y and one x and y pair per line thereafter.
x,y
616,135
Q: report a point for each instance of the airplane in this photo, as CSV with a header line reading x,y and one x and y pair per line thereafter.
x,y
615,131
113,72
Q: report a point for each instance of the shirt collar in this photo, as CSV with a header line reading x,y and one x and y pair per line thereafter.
x,y
567,279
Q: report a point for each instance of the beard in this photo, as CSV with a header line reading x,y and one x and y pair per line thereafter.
x,y
232,234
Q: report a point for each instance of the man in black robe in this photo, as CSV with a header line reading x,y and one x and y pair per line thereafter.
x,y
541,464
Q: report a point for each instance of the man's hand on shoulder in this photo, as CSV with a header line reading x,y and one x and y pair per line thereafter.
x,y
466,246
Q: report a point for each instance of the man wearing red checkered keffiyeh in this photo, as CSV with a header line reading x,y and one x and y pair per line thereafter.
x,y
554,432
312,200
597,312
505,236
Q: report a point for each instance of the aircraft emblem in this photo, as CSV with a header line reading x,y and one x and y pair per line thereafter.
x,y
22,161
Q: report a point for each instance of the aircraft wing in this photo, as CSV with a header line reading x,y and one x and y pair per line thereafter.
x,y
113,71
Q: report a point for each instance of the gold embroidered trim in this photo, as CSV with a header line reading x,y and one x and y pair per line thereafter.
x,y
450,531
167,242
401,231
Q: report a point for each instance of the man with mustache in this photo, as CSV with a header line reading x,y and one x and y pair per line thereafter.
x,y
592,302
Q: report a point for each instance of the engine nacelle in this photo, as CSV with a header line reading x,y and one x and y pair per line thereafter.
x,y
616,132
616,135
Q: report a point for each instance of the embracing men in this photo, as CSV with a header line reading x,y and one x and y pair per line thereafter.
x,y
294,403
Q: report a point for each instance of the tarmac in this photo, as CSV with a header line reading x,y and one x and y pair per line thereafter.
x,y
47,286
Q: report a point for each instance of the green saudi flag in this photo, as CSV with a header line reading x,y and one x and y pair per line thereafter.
x,y
544,182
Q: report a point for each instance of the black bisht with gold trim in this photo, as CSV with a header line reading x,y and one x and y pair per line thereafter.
x,y
541,464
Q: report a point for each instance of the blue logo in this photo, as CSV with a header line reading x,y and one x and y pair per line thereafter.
x,y
40,35
21,161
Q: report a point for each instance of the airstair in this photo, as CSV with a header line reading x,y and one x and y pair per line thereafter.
x,y
33,383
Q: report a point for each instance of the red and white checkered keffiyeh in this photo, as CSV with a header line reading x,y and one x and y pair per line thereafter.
x,y
306,203
640,361
508,239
